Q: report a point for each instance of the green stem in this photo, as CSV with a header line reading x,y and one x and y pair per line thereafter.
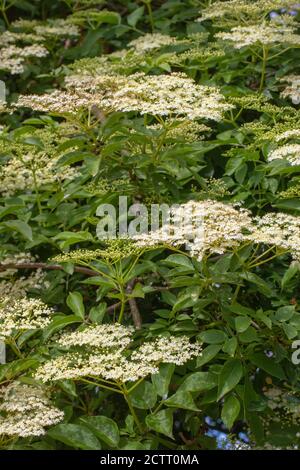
x,y
149,8
96,384
158,407
236,293
123,302
5,17
135,385
265,260
38,200
263,70
132,411
253,261
279,53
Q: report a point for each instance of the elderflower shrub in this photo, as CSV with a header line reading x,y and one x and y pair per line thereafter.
x,y
190,318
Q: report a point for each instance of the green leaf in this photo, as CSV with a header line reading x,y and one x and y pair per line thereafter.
x,y
290,273
262,285
264,318
161,422
248,336
135,16
58,324
242,323
285,313
137,291
13,369
103,428
75,303
69,387
230,346
71,238
179,260
161,381
213,337
144,396
182,399
104,16
97,313
199,382
208,354
290,331
230,410
133,445
268,365
230,375
20,227
76,436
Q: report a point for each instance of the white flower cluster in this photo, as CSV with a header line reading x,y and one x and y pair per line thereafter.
x,y
206,226
12,58
237,11
14,48
57,28
166,95
217,227
18,287
289,152
26,410
59,102
22,314
289,146
103,351
265,34
161,95
292,91
17,258
106,366
52,28
21,174
278,229
151,41
31,166
172,350
13,37
286,135
100,336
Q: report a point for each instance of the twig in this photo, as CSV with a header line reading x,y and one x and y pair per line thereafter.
x,y
112,308
135,313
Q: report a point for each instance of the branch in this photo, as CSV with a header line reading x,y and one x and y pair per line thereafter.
x,y
53,267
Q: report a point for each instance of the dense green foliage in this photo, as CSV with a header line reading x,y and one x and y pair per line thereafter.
x,y
60,158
